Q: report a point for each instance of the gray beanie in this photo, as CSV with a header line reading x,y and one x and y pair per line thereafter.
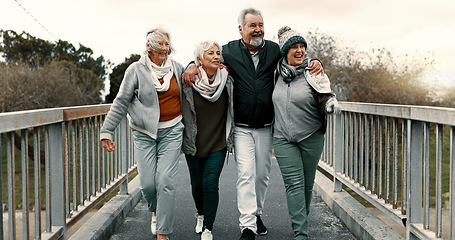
x,y
287,38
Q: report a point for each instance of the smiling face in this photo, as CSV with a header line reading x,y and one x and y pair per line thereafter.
x,y
296,54
160,50
253,31
211,59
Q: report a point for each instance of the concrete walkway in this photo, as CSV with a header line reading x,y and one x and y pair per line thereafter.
x,y
323,224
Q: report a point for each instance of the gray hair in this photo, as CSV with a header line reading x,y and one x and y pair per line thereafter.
x,y
202,47
152,38
244,12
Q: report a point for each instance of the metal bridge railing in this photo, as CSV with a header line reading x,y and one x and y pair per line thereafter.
x,y
384,153
56,169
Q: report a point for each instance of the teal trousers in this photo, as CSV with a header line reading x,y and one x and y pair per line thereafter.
x,y
205,177
298,163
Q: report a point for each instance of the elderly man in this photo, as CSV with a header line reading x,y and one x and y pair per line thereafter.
x,y
251,61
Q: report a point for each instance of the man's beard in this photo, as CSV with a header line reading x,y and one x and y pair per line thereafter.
x,y
256,43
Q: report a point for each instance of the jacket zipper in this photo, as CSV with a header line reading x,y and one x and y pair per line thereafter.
x,y
288,111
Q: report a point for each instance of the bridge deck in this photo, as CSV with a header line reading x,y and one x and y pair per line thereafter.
x,y
323,224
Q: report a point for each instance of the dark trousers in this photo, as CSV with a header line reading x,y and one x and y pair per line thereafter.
x,y
205,175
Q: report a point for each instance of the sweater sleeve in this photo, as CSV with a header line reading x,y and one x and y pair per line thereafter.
x,y
120,105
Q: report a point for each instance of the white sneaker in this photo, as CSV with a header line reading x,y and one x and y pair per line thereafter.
x,y
153,225
206,235
199,223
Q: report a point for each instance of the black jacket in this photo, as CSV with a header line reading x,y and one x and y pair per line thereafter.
x,y
253,89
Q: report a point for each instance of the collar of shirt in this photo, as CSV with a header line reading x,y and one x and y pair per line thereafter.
x,y
254,55
255,58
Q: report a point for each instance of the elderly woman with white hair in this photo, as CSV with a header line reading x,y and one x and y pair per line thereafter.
x,y
207,111
150,95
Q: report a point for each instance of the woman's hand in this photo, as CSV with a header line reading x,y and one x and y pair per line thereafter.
x,y
316,67
333,107
188,75
108,145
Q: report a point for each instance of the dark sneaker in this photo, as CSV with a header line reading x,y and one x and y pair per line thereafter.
x,y
247,234
262,230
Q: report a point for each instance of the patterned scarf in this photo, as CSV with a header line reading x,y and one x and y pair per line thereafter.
x,y
288,72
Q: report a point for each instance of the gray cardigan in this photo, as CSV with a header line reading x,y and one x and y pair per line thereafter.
x,y
138,98
189,119
300,106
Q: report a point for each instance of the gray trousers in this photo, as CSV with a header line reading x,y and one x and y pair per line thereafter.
x,y
157,164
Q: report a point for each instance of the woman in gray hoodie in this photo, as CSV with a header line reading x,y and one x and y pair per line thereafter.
x,y
301,102
150,96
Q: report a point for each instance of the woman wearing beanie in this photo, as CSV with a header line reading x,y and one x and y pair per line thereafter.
x,y
150,97
207,111
301,102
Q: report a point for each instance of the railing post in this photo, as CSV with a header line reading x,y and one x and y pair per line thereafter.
x,y
57,177
1,189
414,176
452,182
337,150
124,155
11,186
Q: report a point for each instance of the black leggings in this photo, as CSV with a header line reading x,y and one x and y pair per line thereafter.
x,y
205,175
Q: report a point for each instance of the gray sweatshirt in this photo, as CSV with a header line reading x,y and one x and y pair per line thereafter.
x,y
138,97
300,106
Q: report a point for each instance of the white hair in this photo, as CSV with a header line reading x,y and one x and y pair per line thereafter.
x,y
244,12
152,38
202,47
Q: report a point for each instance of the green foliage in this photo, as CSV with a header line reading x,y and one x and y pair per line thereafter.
x,y
25,48
38,73
116,76
17,48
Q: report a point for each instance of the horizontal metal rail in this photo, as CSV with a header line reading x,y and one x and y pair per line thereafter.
x,y
64,172
384,154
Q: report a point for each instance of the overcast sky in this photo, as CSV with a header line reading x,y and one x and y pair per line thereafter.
x,y
116,28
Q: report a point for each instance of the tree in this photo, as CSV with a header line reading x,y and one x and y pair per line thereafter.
x,y
24,47
19,49
376,76
56,84
448,98
116,76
